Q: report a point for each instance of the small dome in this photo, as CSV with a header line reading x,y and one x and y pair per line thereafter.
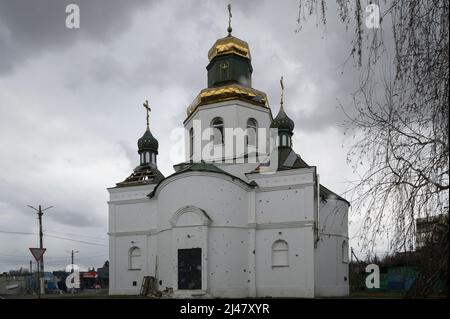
x,y
282,122
147,142
229,45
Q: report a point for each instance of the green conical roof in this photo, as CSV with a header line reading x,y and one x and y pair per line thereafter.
x,y
282,122
147,142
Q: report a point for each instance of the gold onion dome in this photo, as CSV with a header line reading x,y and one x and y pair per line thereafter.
x,y
229,45
229,73
228,92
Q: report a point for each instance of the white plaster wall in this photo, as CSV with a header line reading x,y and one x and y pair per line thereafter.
x,y
228,271
296,280
287,196
135,217
286,205
224,242
234,114
284,209
131,215
237,242
165,268
224,201
121,276
332,277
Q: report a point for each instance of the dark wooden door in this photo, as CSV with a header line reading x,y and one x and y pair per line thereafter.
x,y
190,268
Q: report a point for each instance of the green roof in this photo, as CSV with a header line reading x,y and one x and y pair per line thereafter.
x,y
282,122
147,142
287,159
325,193
202,167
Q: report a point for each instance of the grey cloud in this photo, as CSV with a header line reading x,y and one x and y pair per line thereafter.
x,y
70,117
82,217
28,28
130,152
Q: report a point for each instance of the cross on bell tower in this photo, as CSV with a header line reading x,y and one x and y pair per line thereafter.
x,y
148,110
147,144
229,20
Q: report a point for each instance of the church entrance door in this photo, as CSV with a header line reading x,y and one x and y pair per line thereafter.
x,y
190,268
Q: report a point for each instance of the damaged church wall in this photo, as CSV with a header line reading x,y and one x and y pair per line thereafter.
x,y
332,276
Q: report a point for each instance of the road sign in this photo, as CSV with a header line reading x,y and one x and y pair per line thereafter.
x,y
38,253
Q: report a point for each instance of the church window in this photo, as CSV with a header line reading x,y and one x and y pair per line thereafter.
x,y
280,254
283,140
252,128
191,142
345,251
217,127
135,258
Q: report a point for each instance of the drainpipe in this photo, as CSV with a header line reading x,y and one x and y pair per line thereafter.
x,y
316,209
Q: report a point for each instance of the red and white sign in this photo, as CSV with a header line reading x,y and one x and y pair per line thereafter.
x,y
38,253
90,274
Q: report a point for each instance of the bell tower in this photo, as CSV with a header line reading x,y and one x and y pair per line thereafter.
x,y
230,61
224,121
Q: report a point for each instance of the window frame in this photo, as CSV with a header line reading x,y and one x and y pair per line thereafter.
x,y
131,256
254,126
191,142
284,249
220,127
345,252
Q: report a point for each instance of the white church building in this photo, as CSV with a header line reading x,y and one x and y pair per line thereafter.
x,y
243,216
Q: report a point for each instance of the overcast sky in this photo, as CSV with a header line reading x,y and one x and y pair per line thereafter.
x,y
71,103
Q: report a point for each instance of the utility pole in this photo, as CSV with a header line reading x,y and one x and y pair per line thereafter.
x,y
40,212
72,253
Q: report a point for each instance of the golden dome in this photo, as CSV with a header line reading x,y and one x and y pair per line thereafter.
x,y
229,45
228,92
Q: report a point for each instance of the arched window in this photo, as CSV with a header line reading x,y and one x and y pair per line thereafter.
x,y
252,129
345,251
191,142
280,254
217,127
135,258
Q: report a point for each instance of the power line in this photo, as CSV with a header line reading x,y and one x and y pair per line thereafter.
x,y
16,232
58,237
75,234
78,241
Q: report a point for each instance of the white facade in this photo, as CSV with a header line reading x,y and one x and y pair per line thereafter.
x,y
277,239
235,115
217,226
